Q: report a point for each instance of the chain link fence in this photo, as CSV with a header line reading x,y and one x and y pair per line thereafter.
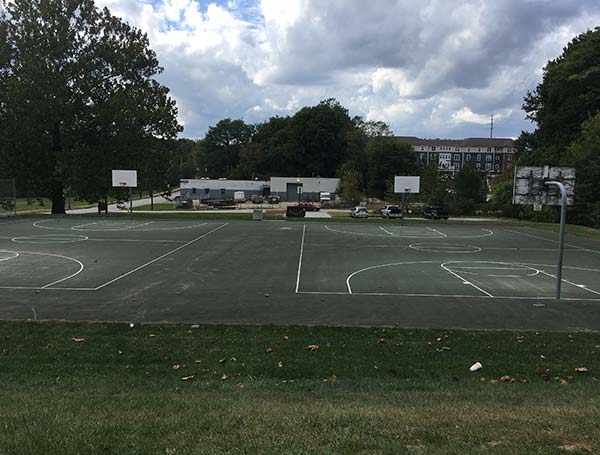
x,y
8,199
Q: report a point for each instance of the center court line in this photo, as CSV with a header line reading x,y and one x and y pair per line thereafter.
x,y
553,241
160,257
138,240
300,259
75,228
385,230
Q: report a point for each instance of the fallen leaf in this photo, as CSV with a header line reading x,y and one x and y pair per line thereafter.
x,y
225,377
189,378
575,447
78,340
581,370
268,350
222,360
285,338
151,335
233,359
520,339
538,370
482,379
176,366
506,378
438,339
563,381
333,377
198,361
524,380
240,386
381,340
493,381
280,364
446,348
312,347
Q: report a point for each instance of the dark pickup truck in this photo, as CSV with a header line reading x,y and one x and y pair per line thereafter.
x,y
435,213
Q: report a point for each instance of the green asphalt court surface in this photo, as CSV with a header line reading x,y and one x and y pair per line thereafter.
x,y
425,275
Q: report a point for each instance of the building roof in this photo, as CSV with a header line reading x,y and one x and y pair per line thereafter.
x,y
467,142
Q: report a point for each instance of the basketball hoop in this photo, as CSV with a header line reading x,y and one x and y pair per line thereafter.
x,y
123,184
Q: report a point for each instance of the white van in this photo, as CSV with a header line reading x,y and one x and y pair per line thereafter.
x,y
325,196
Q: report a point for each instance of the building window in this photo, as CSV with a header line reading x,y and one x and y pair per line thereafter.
x,y
509,158
468,149
457,148
488,166
488,157
489,149
497,157
479,149
433,147
478,165
457,157
423,156
468,157
497,166
478,157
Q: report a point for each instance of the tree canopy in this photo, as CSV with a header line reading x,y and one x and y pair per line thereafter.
x,y
78,99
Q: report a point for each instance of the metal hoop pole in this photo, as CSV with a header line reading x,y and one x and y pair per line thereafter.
x,y
561,235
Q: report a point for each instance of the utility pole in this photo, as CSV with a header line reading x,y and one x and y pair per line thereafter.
x,y
492,126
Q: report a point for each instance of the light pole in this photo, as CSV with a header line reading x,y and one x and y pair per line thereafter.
x,y
561,235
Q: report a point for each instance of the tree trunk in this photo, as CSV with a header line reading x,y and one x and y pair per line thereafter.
x,y
56,186
58,198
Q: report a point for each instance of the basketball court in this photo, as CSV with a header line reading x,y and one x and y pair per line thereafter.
x,y
426,275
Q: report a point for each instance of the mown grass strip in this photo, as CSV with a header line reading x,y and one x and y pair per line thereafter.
x,y
260,389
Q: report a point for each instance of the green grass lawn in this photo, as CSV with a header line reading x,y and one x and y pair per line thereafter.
x,y
254,389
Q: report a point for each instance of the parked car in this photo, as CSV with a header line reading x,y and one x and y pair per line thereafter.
x,y
310,207
435,213
273,199
392,211
295,211
359,212
257,199
325,196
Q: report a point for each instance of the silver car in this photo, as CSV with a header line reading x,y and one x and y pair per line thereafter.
x,y
359,212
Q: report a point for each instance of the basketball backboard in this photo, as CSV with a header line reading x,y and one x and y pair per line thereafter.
x,y
404,184
530,185
124,179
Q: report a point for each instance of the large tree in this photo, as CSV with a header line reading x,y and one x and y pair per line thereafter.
x,y
223,144
568,95
78,99
387,157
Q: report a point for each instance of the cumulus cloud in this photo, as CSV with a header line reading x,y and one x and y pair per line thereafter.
x,y
434,69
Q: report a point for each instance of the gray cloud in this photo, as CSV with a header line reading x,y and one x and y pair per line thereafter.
x,y
435,68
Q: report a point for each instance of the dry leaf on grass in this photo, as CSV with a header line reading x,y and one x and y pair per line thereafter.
x,y
582,370
313,347
575,447
78,340
176,366
285,338
222,360
280,364
506,378
438,339
151,335
268,350
191,377
225,377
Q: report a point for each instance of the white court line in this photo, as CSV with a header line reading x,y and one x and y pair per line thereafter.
x,y
161,257
133,226
75,228
390,294
381,266
300,259
81,267
138,240
463,280
571,283
438,232
553,241
385,230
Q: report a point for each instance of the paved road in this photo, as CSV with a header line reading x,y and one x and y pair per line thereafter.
x,y
113,207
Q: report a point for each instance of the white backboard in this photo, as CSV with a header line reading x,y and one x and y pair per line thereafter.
x,y
124,179
530,188
406,184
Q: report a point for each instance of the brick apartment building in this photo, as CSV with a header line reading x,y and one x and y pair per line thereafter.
x,y
491,156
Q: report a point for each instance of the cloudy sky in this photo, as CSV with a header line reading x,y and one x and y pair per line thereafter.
x,y
433,68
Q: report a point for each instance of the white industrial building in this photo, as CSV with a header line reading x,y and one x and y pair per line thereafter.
x,y
288,188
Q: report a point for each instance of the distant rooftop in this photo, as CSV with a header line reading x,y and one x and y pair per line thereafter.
x,y
467,142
